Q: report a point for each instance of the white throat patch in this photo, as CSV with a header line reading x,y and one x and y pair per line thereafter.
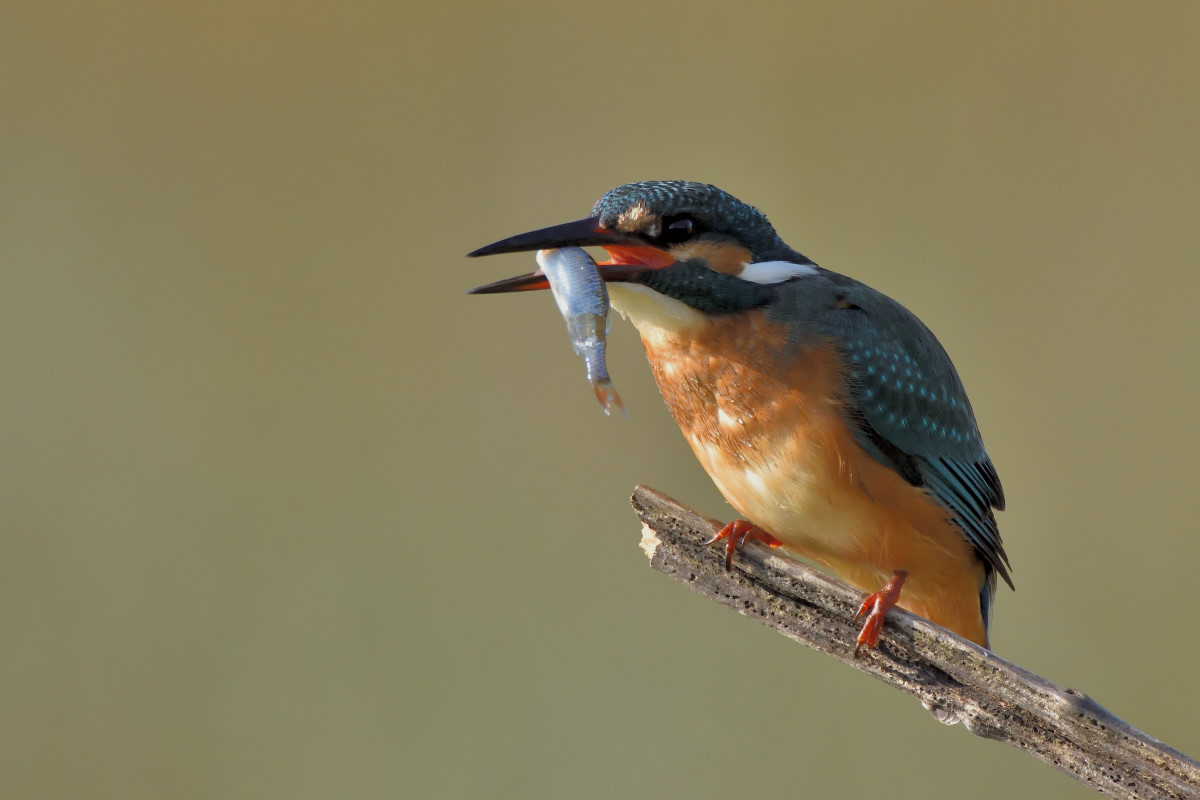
x,y
775,271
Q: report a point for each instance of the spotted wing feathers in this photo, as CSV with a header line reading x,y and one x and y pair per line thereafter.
x,y
912,409
907,404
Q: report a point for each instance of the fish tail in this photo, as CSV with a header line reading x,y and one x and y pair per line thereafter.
x,y
606,393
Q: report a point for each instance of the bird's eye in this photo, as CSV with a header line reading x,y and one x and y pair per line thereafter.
x,y
677,229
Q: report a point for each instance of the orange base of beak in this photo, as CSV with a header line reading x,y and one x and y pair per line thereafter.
x,y
620,255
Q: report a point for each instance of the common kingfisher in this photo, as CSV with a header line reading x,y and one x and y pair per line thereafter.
x,y
827,414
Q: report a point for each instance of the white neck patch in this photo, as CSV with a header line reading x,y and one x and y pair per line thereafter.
x,y
775,271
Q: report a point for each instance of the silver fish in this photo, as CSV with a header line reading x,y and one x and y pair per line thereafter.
x,y
583,302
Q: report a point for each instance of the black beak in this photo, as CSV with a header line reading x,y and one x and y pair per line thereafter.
x,y
581,233
628,254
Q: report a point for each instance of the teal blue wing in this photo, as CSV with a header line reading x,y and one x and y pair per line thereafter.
x,y
910,410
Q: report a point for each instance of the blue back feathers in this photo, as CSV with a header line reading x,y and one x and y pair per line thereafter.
x,y
907,406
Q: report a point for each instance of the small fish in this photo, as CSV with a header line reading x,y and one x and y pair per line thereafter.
x,y
583,301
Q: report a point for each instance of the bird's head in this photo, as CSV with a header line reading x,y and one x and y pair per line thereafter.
x,y
690,241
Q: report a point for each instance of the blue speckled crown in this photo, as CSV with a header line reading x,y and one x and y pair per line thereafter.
x,y
712,209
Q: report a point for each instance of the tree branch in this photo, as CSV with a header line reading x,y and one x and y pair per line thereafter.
x,y
957,680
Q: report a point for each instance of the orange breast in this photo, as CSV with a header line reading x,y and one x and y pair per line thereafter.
x,y
765,420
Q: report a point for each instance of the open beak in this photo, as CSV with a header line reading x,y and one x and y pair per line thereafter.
x,y
627,255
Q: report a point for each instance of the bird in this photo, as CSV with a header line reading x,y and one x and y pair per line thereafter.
x,y
825,412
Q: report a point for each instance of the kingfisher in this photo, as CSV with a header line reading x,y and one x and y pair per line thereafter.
x,y
826,413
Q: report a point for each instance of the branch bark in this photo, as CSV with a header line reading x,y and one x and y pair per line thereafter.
x,y
955,679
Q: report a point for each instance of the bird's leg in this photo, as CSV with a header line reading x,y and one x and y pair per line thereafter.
x,y
735,535
876,606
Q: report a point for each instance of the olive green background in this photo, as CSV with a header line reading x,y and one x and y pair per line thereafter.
x,y
283,513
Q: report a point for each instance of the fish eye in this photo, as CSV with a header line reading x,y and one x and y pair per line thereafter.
x,y
677,229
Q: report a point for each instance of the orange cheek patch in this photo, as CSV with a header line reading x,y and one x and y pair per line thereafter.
x,y
724,257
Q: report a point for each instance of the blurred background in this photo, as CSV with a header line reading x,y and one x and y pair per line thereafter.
x,y
286,514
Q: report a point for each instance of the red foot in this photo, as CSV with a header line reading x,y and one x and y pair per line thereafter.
x,y
878,604
735,535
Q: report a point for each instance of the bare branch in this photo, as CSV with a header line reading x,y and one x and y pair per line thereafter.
x,y
957,680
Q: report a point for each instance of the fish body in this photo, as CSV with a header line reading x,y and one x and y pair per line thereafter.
x,y
582,300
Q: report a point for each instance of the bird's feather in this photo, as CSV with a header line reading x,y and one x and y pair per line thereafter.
x,y
906,403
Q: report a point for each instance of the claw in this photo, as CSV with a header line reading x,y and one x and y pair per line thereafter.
x,y
735,535
876,606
